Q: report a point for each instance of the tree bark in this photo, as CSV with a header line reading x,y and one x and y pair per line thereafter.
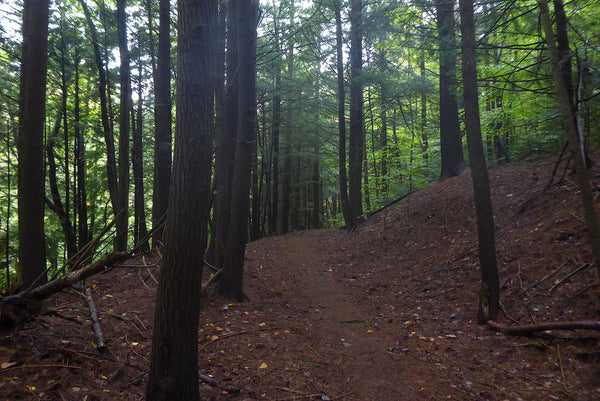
x,y
343,176
225,153
235,247
357,146
137,158
124,110
162,121
585,188
174,358
450,137
30,142
82,212
489,297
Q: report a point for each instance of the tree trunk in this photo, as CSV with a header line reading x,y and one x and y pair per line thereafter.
x,y
124,110
450,138
356,114
30,142
286,187
235,247
489,297
225,154
174,360
82,212
111,162
343,177
275,131
137,156
162,121
585,188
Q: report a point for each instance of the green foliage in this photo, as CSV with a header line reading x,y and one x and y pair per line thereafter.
x,y
400,78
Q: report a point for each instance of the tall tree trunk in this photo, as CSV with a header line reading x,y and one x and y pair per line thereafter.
x,y
225,154
585,188
423,123
124,110
30,142
489,297
162,121
357,141
109,139
82,211
286,188
174,360
275,131
450,138
235,247
137,156
343,176
316,192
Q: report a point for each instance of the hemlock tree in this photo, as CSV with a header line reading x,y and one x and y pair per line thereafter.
x,y
30,143
174,359
343,177
124,110
357,142
225,152
235,247
162,121
489,297
450,138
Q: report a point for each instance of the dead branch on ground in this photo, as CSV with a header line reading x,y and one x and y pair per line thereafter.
x,y
100,343
533,328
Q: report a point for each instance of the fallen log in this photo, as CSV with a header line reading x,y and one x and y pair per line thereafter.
x,y
532,328
15,309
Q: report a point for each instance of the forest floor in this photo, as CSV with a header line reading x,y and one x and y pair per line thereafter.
x,y
386,312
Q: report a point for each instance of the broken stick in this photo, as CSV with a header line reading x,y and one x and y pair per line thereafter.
x,y
100,343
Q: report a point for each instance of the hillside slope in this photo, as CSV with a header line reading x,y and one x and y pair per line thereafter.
x,y
383,313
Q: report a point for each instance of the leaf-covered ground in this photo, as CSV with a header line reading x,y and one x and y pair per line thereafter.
x,y
386,312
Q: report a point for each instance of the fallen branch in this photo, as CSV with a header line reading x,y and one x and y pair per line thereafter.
x,y
568,276
211,381
532,328
27,303
100,343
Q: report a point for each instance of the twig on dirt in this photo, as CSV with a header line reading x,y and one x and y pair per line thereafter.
x,y
562,371
507,315
519,276
577,217
532,328
571,274
211,279
299,393
546,277
214,340
316,352
39,367
100,343
60,315
152,275
211,381
142,280
582,291
110,359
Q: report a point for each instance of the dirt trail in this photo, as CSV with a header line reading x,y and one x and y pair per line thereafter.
x,y
350,338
